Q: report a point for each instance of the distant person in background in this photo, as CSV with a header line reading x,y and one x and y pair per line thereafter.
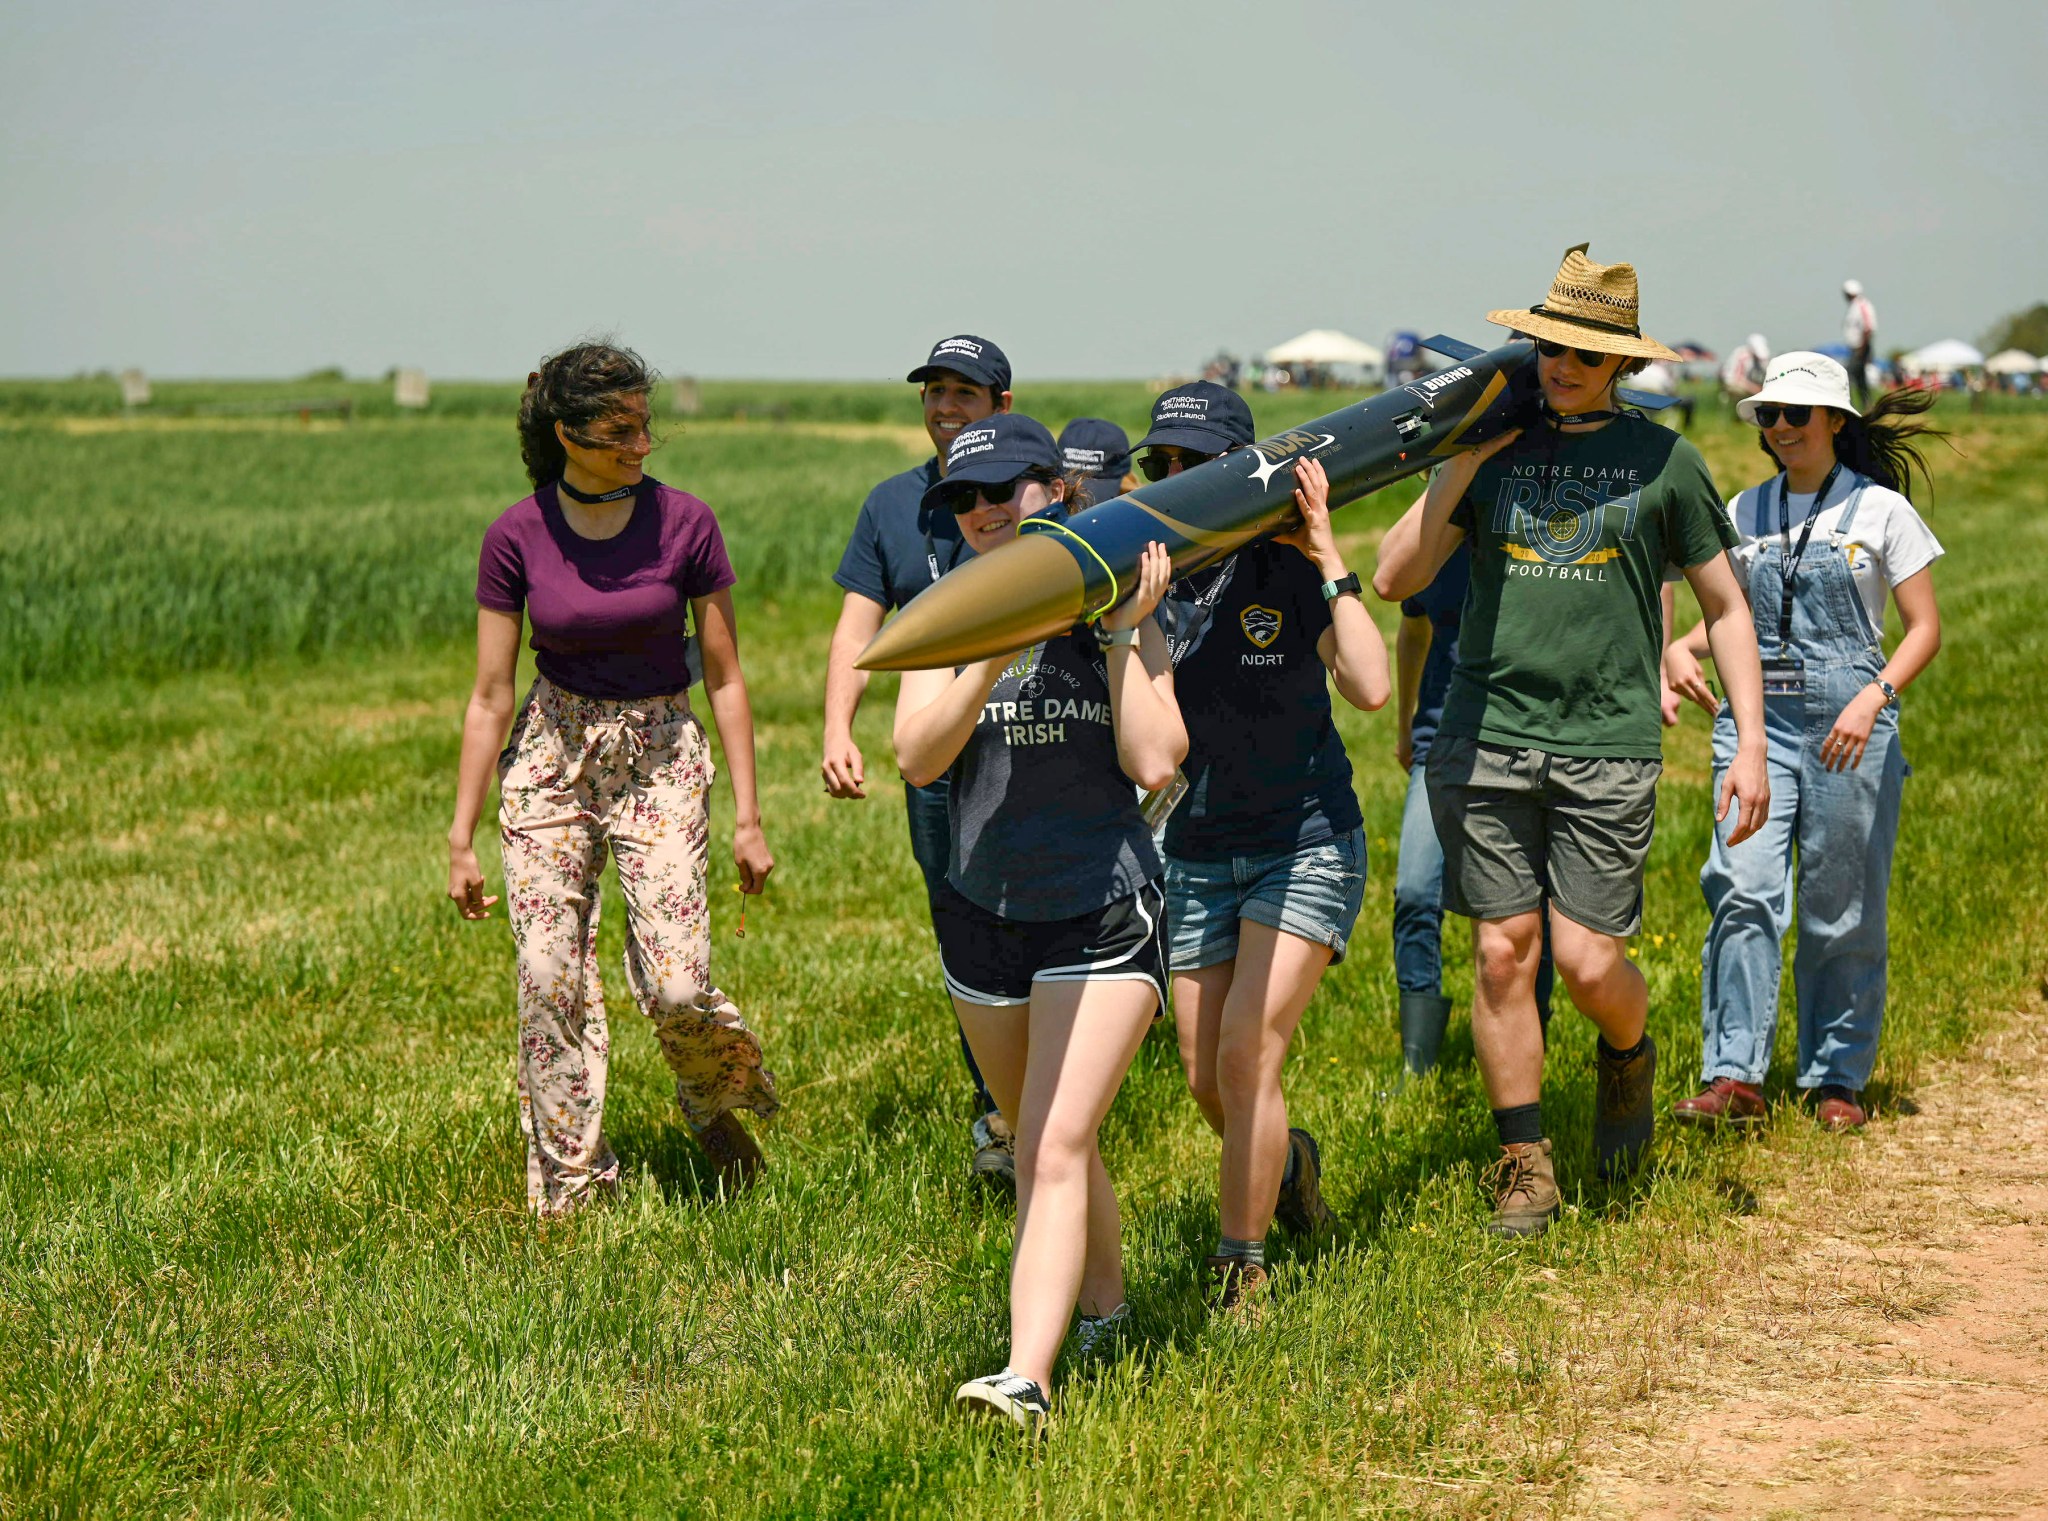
x,y
1265,856
1819,547
1859,331
1095,457
899,546
1658,378
1050,915
613,568
1742,372
1425,654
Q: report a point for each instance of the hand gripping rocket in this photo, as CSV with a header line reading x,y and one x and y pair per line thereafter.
x,y
1056,574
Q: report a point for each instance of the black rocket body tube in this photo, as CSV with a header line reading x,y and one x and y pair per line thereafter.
x,y
1057,574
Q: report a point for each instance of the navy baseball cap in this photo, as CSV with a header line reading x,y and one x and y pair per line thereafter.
x,y
964,354
996,449
1099,450
1202,416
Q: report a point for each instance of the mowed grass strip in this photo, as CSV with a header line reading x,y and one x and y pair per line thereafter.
x,y
264,1247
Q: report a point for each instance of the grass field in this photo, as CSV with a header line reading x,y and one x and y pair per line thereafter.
x,y
262,1240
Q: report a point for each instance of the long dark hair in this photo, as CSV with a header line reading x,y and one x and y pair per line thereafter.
x,y
575,388
1880,443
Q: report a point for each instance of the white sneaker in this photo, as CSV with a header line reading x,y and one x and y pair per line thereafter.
x,y
1005,1393
1097,1335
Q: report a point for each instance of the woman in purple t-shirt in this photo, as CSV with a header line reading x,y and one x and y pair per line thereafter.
x,y
611,567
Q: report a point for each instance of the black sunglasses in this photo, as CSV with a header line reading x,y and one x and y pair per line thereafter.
x,y
1768,413
962,498
1592,357
1157,467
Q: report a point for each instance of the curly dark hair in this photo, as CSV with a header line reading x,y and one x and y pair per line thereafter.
x,y
1880,444
576,387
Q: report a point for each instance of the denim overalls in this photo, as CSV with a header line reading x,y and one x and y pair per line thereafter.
x,y
1843,824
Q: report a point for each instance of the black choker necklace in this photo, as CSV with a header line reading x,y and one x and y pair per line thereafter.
x,y
1558,419
588,500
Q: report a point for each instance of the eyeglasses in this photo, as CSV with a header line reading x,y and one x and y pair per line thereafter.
x,y
1769,412
1157,466
966,496
1591,357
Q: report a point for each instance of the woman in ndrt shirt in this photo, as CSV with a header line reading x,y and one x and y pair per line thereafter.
x,y
607,756
1049,920
1819,546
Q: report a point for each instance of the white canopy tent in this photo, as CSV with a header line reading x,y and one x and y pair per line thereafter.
x,y
1322,345
1942,356
2012,362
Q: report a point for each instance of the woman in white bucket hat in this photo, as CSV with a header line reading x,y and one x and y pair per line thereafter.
x,y
1822,543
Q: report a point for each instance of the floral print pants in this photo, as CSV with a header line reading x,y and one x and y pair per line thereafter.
x,y
581,775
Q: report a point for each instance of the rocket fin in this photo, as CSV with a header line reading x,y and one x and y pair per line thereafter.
x,y
1452,348
1647,400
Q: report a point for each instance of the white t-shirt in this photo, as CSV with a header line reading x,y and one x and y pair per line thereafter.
x,y
1887,543
1859,324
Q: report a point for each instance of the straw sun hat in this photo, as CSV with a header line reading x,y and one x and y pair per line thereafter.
x,y
1590,306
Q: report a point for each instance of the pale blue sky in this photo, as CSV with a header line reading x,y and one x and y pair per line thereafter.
x,y
809,189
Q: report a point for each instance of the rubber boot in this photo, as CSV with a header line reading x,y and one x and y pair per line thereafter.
x,y
1423,1019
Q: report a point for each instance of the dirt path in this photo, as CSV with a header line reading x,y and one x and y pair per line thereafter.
x,y
1884,1351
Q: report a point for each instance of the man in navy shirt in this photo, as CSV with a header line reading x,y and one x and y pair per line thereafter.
x,y
898,549
1425,654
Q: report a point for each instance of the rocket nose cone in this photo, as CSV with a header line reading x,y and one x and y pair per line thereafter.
x,y
1005,600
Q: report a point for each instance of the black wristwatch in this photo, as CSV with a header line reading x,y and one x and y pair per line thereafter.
x,y
1332,590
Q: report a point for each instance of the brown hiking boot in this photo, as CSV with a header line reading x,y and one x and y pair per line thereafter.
x,y
732,1151
1724,1101
1525,1198
1838,1109
1300,1207
1625,1113
1234,1285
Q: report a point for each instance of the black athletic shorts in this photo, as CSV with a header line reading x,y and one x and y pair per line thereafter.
x,y
991,960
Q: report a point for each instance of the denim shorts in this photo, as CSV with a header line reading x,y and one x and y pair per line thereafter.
x,y
1313,893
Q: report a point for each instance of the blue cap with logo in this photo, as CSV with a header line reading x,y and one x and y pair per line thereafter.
x,y
1202,416
996,449
1100,450
964,354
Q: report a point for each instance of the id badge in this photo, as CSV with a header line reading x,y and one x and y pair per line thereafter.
x,y
1784,676
1157,806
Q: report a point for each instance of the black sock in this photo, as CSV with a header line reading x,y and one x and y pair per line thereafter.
x,y
1629,1055
1521,1125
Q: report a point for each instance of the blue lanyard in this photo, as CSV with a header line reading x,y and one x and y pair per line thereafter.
x,y
1789,558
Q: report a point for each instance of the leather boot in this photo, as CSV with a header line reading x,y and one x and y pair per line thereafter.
x,y
1423,1019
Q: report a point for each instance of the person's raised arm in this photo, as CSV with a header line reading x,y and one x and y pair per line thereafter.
x,y
860,619
1415,548
726,685
1732,637
1843,748
484,725
1351,648
1151,737
936,712
1411,653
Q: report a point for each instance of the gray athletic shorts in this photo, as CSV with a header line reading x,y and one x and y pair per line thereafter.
x,y
1519,825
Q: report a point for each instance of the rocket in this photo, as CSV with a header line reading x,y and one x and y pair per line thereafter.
x,y
1056,574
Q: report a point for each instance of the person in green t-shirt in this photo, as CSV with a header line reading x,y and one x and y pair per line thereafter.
x,y
1543,777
